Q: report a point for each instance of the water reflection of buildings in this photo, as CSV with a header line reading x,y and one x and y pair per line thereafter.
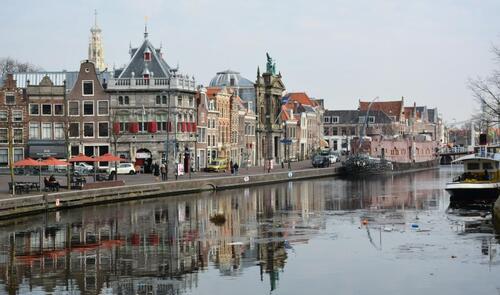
x,y
157,246
394,191
162,246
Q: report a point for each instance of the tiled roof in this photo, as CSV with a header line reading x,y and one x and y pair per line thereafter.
x,y
300,97
391,108
212,91
352,116
138,65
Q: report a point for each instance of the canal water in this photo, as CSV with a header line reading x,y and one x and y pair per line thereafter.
x,y
385,235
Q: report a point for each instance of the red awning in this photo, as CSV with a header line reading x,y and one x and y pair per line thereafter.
x,y
184,127
152,127
27,162
108,158
116,128
81,158
133,127
50,161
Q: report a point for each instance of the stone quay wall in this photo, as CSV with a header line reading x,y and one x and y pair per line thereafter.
x,y
19,206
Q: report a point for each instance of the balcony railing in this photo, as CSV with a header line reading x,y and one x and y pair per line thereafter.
x,y
178,82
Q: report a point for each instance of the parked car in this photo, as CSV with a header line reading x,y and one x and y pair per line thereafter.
x,y
123,168
83,168
333,158
319,161
218,164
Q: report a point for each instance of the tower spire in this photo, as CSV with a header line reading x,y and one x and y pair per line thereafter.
x,y
96,48
146,27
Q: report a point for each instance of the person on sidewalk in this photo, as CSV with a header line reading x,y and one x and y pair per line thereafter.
x,y
163,171
231,167
235,168
156,169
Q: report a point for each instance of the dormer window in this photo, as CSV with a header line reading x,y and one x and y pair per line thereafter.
x,y
147,54
146,76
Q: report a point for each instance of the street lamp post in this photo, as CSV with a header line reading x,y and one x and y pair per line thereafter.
x,y
10,136
169,124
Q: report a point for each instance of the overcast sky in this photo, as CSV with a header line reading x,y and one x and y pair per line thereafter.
x,y
338,50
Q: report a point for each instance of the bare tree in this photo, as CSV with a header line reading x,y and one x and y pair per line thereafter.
x,y
10,65
486,91
115,134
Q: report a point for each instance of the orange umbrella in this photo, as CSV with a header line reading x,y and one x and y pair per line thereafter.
x,y
81,158
51,161
27,162
108,158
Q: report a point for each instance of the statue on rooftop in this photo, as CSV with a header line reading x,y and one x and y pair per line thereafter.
x,y
271,66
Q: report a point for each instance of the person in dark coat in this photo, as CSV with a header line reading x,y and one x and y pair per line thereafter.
x,y
235,168
231,166
156,169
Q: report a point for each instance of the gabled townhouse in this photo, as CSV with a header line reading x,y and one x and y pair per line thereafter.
x,y
202,129
310,137
88,108
342,126
13,122
48,120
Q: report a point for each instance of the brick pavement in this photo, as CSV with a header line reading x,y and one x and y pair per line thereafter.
x,y
148,178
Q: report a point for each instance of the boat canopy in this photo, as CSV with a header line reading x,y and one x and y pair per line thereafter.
x,y
489,157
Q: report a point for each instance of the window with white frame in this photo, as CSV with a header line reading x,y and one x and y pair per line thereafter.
x,y
88,108
58,109
103,129
335,120
17,116
74,130
326,119
46,109
179,101
34,132
371,119
18,135
46,130
74,108
88,129
18,154
58,130
3,116
10,98
4,137
361,119
102,108
34,109
88,88
4,157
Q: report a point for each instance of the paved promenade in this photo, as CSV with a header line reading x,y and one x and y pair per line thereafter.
x,y
150,178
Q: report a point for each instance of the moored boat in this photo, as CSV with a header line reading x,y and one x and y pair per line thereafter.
x,y
480,179
364,164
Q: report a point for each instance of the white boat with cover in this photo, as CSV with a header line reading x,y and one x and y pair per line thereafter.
x,y
480,179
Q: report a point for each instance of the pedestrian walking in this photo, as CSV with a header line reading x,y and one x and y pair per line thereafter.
x,y
156,169
231,167
163,171
235,168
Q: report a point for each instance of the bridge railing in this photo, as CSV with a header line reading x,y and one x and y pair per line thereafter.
x,y
453,150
